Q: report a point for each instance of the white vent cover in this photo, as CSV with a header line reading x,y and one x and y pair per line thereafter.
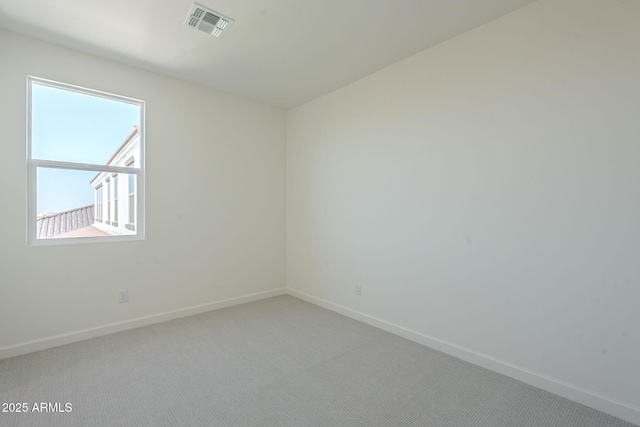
x,y
203,19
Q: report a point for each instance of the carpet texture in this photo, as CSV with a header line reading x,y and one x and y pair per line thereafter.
x,y
275,362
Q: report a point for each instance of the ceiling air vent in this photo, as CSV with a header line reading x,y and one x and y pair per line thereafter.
x,y
203,19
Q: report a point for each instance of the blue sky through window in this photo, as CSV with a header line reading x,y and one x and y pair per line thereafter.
x,y
74,127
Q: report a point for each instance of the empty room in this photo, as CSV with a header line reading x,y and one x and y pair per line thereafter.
x,y
320,213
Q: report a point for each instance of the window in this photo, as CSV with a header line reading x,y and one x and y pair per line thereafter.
x,y
98,204
115,200
108,181
131,204
81,144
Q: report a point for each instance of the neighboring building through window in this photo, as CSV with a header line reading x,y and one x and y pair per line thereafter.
x,y
124,155
108,181
82,146
115,200
131,204
98,204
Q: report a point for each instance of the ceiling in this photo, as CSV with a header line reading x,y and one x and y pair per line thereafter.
x,y
280,52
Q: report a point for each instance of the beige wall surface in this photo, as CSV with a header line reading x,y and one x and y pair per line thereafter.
x,y
215,206
485,194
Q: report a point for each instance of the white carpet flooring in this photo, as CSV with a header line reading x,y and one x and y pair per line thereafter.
x,y
275,362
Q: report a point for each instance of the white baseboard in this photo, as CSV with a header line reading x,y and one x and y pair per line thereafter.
x,y
623,410
57,340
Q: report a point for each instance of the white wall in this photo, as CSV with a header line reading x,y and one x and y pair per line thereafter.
x,y
485,193
215,203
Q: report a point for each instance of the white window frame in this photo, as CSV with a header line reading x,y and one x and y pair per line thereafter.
x,y
34,164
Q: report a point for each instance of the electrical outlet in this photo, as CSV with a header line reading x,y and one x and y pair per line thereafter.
x,y
358,289
123,296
